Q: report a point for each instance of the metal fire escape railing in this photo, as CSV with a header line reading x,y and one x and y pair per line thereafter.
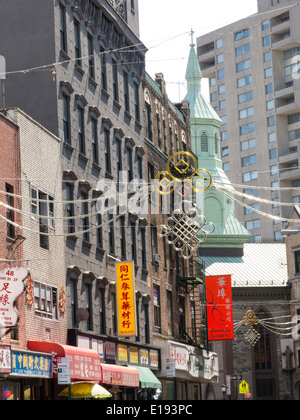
x,y
194,286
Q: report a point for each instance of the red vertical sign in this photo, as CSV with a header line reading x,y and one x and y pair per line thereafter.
x,y
219,308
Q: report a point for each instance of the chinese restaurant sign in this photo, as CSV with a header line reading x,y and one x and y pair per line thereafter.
x,y
219,308
11,287
126,299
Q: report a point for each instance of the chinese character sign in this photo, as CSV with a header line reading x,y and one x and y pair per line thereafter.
x,y
219,308
126,299
11,287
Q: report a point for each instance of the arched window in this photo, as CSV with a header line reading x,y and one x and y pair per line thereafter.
x,y
204,142
149,133
264,360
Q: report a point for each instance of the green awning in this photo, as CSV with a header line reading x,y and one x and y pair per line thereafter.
x,y
147,378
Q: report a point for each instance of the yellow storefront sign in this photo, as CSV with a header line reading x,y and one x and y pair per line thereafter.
x,y
126,313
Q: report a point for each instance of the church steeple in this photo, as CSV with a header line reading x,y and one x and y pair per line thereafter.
x,y
205,135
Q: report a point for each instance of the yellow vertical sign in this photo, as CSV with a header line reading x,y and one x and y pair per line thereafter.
x,y
126,310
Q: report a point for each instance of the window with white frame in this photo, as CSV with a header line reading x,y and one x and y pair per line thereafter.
x,y
42,204
45,301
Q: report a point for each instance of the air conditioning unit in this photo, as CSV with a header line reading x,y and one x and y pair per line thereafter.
x,y
156,257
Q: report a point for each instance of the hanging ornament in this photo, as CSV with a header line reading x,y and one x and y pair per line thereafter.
x,y
62,300
29,291
251,335
186,230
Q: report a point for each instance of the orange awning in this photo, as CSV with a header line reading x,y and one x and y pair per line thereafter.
x,y
85,363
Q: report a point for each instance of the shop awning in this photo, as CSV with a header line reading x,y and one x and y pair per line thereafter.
x,y
120,375
85,363
147,378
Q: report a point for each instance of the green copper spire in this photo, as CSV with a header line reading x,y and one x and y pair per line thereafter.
x,y
205,135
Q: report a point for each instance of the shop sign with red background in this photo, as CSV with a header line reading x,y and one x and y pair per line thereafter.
x,y
219,308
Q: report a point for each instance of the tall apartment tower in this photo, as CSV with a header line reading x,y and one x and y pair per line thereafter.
x,y
81,65
254,87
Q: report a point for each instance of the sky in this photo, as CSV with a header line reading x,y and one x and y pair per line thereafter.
x,y
165,27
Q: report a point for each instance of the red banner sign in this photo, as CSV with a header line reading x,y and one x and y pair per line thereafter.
x,y
219,308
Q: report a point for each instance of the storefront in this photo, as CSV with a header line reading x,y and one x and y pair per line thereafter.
x,y
24,374
184,369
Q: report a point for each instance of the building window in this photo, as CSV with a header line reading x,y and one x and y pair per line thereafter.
x,y
45,301
270,105
247,128
63,28
248,144
244,81
273,153
250,176
130,164
219,43
99,231
222,89
122,237
297,261
77,43
182,317
81,132
264,363
137,102
147,323
169,313
70,207
74,303
85,219
89,305
144,249
268,72
247,112
269,88
153,231
10,231
266,40
133,241
241,34
243,49
149,133
244,97
156,308
107,151
111,235
226,166
103,69
95,152
102,311
253,224
222,104
244,65
43,207
248,160
220,58
66,119
91,59
126,91
115,81
221,74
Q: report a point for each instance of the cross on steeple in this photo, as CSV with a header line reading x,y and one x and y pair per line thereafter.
x,y
192,38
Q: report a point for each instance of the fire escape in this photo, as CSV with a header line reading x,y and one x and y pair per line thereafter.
x,y
191,282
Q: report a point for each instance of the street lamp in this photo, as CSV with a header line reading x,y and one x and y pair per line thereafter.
x,y
223,389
